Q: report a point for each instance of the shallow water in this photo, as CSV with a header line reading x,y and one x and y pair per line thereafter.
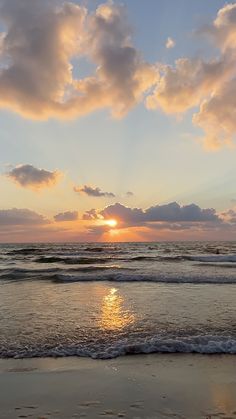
x,y
105,300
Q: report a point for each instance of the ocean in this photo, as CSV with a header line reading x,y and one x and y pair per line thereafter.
x,y
104,300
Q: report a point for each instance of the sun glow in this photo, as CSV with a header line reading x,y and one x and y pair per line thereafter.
x,y
111,223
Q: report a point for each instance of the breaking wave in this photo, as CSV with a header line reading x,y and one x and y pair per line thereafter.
x,y
196,344
127,277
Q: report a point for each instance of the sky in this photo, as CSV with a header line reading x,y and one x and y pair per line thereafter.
x,y
118,120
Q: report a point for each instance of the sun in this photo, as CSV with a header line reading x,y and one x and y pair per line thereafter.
x,y
111,223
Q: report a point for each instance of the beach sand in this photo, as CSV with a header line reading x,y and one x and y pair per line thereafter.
x,y
151,386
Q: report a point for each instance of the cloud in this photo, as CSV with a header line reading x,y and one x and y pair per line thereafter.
x,y
170,43
41,40
21,217
165,222
217,114
129,194
66,216
28,176
223,30
209,85
184,86
122,76
160,222
123,214
169,213
217,117
91,215
94,192
38,46
229,216
174,212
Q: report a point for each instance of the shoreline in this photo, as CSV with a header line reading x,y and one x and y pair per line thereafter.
x,y
156,386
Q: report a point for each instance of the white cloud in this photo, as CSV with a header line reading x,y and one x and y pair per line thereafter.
x,y
170,43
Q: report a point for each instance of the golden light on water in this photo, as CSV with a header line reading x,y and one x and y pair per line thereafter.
x,y
114,315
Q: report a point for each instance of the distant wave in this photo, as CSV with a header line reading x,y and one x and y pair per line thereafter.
x,y
106,249
214,258
39,256
181,258
26,251
142,258
195,344
70,260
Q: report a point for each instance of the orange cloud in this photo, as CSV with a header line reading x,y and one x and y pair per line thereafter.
x,y
41,40
207,84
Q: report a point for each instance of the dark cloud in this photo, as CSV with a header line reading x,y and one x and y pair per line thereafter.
x,y
160,220
94,192
66,216
91,215
21,217
29,176
129,194
123,214
172,212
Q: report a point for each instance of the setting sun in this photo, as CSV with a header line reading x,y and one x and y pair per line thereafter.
x,y
111,223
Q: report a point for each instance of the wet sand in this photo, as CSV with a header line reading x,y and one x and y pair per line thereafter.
x,y
152,387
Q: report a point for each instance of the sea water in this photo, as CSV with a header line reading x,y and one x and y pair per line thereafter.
x,y
105,300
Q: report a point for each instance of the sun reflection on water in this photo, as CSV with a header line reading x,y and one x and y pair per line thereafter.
x,y
114,315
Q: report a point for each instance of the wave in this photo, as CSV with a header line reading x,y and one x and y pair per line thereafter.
x,y
198,258
142,258
195,344
26,251
223,265
214,258
183,258
110,273
15,274
70,260
105,249
127,277
93,259
57,275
